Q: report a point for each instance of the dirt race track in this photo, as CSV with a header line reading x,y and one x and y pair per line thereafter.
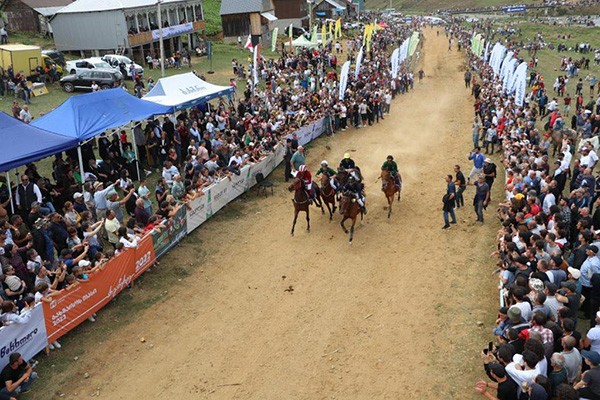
x,y
394,316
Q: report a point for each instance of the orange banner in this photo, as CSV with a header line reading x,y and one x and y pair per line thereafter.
x,y
75,305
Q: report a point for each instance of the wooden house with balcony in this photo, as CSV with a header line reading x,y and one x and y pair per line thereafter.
x,y
128,26
242,18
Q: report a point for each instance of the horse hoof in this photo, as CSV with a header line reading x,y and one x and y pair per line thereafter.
x,y
350,242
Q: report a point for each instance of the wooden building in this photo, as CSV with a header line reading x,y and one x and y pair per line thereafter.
x,y
242,18
31,15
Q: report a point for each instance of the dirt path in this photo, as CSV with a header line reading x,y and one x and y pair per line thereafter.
x,y
393,316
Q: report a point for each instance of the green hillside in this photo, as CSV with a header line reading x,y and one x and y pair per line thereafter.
x,y
432,5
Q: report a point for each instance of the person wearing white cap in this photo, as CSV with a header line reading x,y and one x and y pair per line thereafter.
x,y
329,172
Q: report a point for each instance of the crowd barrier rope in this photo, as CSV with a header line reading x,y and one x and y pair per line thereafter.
x,y
50,321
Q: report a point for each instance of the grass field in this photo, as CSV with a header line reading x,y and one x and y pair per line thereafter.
x,y
432,5
549,60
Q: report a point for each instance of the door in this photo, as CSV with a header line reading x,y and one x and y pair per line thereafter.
x,y
33,63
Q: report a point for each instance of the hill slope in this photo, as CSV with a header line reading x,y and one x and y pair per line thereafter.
x,y
432,5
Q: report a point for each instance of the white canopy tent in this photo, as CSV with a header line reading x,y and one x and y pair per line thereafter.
x,y
184,91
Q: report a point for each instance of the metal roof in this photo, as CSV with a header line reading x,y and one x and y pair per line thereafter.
x,y
245,6
84,6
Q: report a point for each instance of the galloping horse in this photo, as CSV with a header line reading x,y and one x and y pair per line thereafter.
x,y
350,209
389,188
328,195
343,175
301,202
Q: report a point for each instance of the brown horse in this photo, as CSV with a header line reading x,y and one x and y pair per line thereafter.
x,y
328,195
349,208
389,188
301,202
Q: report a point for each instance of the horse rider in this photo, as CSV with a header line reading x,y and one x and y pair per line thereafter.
x,y
347,164
330,173
392,167
356,189
306,177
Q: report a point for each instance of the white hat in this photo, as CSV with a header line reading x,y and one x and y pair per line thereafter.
x,y
77,195
84,263
324,162
575,273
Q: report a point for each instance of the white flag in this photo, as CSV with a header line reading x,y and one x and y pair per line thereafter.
x,y
344,79
359,59
395,60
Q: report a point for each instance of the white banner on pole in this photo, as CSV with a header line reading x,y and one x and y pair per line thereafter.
x,y
504,66
520,84
344,79
486,53
359,59
508,81
395,61
28,339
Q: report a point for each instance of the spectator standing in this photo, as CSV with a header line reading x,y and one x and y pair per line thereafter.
x,y
449,201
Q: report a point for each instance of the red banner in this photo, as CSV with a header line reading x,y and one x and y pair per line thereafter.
x,y
75,305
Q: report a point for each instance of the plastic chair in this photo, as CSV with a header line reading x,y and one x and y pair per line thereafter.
x,y
263,184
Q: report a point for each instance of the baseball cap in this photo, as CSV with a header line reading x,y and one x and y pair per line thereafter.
x,y
346,155
591,356
569,285
514,313
77,195
593,248
84,263
575,273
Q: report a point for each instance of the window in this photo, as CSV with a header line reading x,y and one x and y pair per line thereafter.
x,y
100,75
86,74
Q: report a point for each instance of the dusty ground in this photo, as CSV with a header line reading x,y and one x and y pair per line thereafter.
x,y
392,316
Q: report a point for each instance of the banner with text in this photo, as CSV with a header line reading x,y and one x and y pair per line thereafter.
x,y
28,339
168,237
74,305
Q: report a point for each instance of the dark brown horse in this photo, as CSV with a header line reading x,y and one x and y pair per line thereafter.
x,y
389,188
301,202
328,195
349,208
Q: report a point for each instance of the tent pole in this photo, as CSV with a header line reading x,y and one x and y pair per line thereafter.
x,y
135,150
81,170
12,204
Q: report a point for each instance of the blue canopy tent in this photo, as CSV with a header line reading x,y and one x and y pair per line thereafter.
x,y
23,143
85,116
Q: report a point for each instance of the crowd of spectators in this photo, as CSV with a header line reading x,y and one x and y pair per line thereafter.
x,y
546,340
68,223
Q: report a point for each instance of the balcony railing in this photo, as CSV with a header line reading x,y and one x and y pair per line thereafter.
x,y
142,38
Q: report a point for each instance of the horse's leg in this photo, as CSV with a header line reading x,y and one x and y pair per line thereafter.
x,y
328,209
352,229
342,224
390,202
295,218
399,191
307,219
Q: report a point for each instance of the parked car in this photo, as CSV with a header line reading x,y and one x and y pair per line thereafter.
x,y
57,56
116,60
78,66
105,79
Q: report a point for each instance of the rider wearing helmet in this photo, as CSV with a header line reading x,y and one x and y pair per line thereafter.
x,y
347,164
356,189
390,166
328,172
306,177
